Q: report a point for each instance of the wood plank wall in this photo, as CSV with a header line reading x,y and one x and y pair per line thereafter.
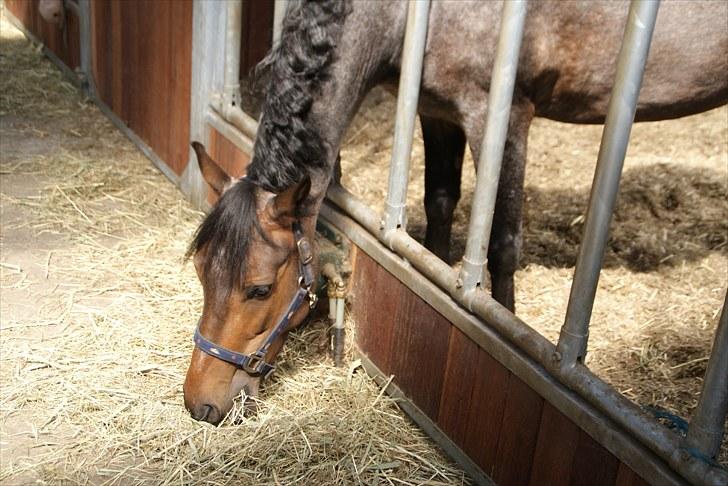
x,y
65,45
142,54
504,426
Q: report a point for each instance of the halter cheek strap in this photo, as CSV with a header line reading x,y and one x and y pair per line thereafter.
x,y
255,363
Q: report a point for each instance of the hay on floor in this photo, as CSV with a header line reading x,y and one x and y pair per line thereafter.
x,y
92,373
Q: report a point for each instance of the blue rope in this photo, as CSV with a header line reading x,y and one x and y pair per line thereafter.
x,y
674,421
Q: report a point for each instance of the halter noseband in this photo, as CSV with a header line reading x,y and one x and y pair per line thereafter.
x,y
255,363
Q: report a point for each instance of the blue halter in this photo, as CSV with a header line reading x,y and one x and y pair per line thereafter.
x,y
255,363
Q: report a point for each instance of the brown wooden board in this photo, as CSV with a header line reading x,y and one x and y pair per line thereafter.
x,y
485,415
420,338
142,54
64,45
557,442
627,477
593,465
257,34
374,306
518,434
233,160
457,389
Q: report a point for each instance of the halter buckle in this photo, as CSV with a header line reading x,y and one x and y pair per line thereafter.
x,y
254,363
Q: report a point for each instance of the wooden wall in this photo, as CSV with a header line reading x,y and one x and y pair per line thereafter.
x,y
64,45
505,427
142,53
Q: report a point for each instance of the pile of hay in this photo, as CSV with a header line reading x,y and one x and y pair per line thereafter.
x,y
666,266
98,310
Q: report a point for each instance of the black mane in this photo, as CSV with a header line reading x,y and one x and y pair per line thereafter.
x,y
227,231
288,146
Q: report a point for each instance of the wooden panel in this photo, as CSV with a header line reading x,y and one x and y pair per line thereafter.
x,y
518,434
142,55
229,157
457,389
65,45
593,464
557,442
485,416
419,348
627,477
374,305
257,34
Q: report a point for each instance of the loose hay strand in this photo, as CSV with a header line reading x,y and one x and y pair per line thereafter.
x,y
98,382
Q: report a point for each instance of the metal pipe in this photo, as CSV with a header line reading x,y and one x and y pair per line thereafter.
x,y
337,297
413,52
73,6
231,82
279,12
579,378
620,115
503,80
705,433
84,32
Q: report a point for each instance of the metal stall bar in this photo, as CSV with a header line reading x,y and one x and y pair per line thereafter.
x,y
620,115
84,15
395,215
661,440
705,433
227,103
279,11
494,140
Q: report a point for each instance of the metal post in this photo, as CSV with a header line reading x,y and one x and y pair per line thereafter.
x,y
620,115
231,85
407,98
279,11
705,433
84,34
494,139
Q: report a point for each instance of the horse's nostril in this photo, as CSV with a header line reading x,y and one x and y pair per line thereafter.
x,y
206,413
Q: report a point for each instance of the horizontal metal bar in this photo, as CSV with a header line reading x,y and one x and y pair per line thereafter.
x,y
404,128
618,125
599,394
500,98
707,427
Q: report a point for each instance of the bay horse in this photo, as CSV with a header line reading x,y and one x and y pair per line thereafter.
x,y
248,250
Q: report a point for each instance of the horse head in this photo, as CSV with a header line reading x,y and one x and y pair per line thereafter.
x,y
256,265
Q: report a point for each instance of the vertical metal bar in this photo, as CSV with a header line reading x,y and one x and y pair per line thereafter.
x,y
407,98
620,115
84,10
708,424
231,85
503,80
279,11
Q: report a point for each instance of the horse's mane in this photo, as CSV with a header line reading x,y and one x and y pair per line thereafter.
x,y
288,146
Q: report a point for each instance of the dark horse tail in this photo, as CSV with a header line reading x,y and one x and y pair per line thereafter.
x,y
288,146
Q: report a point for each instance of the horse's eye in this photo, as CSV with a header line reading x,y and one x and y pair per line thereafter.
x,y
258,292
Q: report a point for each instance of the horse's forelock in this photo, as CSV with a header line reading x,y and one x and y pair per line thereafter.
x,y
226,233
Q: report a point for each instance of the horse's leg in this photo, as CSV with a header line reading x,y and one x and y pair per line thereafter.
x,y
444,149
505,237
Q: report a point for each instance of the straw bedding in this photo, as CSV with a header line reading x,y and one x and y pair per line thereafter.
x,y
98,310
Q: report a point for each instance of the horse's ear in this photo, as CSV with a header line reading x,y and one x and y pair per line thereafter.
x,y
211,171
286,203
